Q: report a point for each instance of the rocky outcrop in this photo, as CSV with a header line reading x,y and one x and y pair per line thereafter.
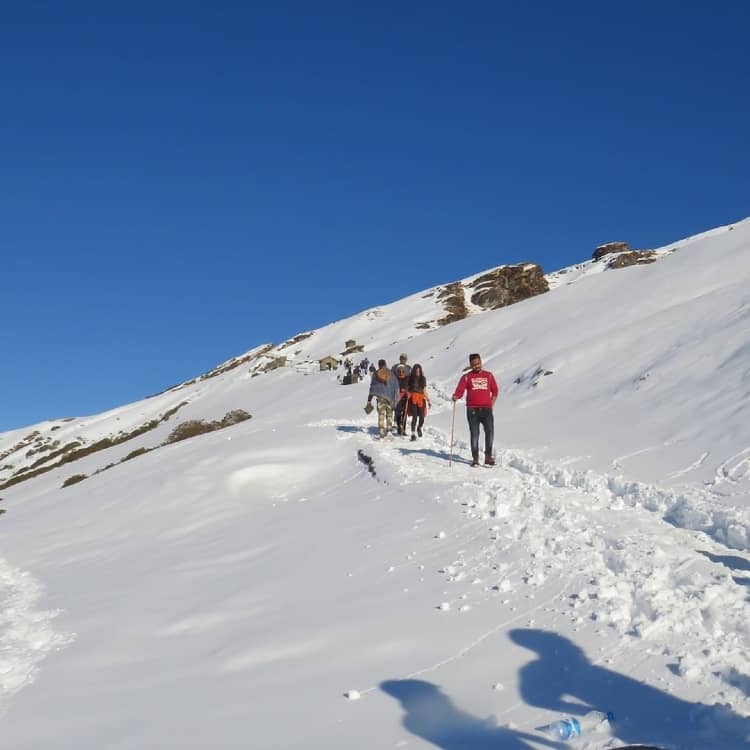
x,y
623,255
273,363
633,258
226,367
454,301
299,337
507,285
502,286
609,248
353,349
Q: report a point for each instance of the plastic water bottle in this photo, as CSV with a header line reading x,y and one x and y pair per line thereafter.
x,y
572,727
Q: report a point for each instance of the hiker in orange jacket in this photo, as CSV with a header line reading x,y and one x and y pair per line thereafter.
x,y
418,400
481,393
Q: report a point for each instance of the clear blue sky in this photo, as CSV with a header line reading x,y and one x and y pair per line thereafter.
x,y
182,181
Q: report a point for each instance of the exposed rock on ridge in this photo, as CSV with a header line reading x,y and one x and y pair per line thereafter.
x,y
500,287
623,255
609,248
633,258
453,298
507,285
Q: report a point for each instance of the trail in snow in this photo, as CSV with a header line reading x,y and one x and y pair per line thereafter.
x,y
734,469
697,463
642,563
26,633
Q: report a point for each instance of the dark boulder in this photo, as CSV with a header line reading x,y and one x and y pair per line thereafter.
x,y
622,255
609,248
453,298
633,258
507,285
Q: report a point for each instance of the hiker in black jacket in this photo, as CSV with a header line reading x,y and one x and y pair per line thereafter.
x,y
402,372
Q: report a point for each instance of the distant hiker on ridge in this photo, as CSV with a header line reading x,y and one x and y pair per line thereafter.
x,y
481,393
402,372
384,386
418,400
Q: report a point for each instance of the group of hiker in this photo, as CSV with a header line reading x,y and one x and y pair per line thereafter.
x,y
401,392
355,372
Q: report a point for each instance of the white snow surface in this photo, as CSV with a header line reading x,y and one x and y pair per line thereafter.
x,y
259,587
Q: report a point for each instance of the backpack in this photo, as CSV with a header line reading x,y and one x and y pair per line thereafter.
x,y
382,375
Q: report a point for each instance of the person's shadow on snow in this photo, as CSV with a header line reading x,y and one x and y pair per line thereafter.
x,y
432,715
352,428
442,455
562,679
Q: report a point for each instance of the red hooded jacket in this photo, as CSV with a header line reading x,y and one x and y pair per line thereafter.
x,y
480,387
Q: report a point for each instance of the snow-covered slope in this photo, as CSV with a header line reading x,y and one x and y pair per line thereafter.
x,y
230,588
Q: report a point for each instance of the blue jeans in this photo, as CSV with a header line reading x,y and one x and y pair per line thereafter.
x,y
485,418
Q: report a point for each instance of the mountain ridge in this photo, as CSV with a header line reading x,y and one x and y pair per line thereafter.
x,y
369,328
260,585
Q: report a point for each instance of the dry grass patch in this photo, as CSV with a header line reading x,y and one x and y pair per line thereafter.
x,y
74,479
75,450
195,427
134,454
191,428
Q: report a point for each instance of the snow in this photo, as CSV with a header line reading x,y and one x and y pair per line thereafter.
x,y
259,587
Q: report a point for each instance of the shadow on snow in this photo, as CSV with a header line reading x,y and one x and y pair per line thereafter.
x,y
405,450
561,679
432,715
733,562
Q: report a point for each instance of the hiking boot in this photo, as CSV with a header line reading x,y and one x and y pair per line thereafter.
x,y
413,436
419,432
489,461
475,461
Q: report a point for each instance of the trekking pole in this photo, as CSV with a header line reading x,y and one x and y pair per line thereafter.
x,y
453,422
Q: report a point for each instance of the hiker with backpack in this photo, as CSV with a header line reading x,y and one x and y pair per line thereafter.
x,y
401,371
384,387
481,391
418,400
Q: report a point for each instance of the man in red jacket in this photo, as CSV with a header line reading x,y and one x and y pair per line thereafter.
x,y
481,393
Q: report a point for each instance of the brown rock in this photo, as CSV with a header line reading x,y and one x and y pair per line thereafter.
x,y
507,285
454,300
610,247
633,258
299,337
274,364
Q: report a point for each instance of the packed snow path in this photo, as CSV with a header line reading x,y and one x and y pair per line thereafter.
x,y
236,598
26,633
556,553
